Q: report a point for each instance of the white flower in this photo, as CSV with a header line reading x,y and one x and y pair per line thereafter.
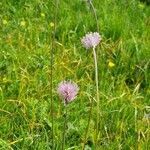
x,y
91,40
67,90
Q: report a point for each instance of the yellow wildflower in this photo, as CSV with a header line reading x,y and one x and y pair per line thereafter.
x,y
22,23
42,15
4,22
51,24
111,64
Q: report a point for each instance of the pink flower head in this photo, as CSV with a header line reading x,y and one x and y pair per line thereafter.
x,y
68,91
91,40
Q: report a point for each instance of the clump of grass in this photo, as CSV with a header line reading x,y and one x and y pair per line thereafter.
x,y
25,46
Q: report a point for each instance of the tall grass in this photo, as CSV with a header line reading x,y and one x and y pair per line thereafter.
x,y
26,43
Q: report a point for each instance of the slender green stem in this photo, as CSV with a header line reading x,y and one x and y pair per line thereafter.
x,y
64,128
51,93
88,124
52,112
95,15
51,68
97,93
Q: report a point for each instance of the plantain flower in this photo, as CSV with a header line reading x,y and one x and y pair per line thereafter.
x,y
91,40
67,90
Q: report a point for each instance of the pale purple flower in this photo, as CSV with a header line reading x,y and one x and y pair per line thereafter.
x,y
91,40
67,90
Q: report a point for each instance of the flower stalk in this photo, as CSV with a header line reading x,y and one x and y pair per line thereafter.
x,y
64,128
67,90
97,93
90,41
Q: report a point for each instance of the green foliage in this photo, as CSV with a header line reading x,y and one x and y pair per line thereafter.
x,y
26,43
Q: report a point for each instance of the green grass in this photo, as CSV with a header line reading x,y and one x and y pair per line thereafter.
x,y
26,43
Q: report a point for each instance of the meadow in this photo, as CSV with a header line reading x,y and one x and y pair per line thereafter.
x,y
40,46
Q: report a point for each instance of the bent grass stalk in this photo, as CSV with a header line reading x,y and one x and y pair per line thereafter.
x,y
94,12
